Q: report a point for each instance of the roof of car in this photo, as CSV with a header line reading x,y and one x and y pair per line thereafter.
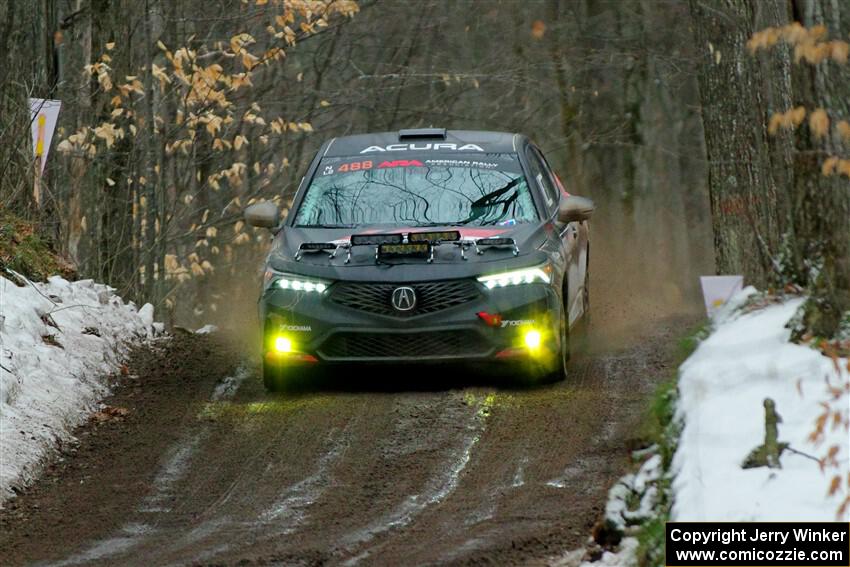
x,y
432,139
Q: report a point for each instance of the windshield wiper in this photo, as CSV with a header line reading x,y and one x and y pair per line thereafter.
x,y
426,224
483,204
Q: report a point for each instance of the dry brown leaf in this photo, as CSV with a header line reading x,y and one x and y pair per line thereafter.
x,y
829,166
818,32
819,123
794,33
538,29
843,128
775,123
833,486
110,413
787,120
839,51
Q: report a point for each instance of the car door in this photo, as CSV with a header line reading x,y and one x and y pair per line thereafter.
x,y
567,232
580,235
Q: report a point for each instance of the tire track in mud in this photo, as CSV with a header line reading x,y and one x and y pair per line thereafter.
x,y
281,516
174,468
390,440
542,468
437,489
421,472
231,511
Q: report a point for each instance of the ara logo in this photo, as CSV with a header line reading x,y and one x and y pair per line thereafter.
x,y
437,146
401,163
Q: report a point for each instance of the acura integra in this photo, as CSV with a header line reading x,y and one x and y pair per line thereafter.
x,y
427,246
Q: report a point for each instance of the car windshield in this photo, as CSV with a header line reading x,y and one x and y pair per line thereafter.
x,y
417,191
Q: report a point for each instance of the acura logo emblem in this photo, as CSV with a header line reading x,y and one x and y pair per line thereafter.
x,y
404,298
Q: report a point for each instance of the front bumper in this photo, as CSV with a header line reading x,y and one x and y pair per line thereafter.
x,y
349,322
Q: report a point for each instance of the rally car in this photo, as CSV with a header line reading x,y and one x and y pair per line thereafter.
x,y
425,245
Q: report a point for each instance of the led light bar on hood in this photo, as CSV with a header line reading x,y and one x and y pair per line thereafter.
x,y
376,239
434,237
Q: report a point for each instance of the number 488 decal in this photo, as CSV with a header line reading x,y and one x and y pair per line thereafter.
x,y
355,166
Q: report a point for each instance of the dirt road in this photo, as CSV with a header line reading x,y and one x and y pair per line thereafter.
x,y
206,468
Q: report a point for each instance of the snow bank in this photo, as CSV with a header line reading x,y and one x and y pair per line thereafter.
x,y
722,388
58,343
632,501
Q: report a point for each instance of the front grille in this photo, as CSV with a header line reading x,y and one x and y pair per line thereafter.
x,y
432,344
430,296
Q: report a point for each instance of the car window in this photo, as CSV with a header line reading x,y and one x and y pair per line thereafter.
x,y
418,190
540,173
559,186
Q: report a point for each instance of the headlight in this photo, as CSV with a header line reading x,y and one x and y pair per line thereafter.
x,y
282,344
532,339
537,274
295,282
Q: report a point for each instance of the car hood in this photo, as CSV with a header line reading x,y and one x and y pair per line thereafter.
x,y
448,261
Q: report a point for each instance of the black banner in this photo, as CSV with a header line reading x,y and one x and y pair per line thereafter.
x,y
758,544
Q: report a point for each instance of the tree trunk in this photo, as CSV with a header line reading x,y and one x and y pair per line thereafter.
x,y
821,209
748,171
765,188
80,38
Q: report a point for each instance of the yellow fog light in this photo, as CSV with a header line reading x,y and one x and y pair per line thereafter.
x,y
532,339
282,344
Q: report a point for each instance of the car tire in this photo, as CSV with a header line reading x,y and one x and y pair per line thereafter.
x,y
558,369
278,378
582,329
585,312
274,377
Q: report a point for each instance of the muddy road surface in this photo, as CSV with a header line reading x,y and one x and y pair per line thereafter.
x,y
405,467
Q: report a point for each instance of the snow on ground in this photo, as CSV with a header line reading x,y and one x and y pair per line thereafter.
x,y
631,501
722,388
58,343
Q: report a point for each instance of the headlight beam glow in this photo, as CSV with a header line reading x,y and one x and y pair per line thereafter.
x,y
283,344
532,339
538,274
288,281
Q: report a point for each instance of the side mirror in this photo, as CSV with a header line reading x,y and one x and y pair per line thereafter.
x,y
264,214
575,208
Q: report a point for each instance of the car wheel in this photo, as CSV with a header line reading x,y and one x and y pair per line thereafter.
x,y
558,370
585,311
274,377
283,378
